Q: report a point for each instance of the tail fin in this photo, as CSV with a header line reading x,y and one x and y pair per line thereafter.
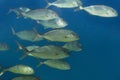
x,y
48,4
40,64
2,71
18,13
38,36
13,31
26,52
10,10
79,8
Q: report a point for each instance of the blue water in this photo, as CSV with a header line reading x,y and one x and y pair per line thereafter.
x,y
100,39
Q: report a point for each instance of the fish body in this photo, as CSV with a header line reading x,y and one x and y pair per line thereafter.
x,y
45,52
64,3
19,69
40,14
57,64
101,10
49,52
61,35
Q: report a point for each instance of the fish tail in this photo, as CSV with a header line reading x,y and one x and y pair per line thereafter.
x,y
81,7
2,71
78,9
39,36
17,13
40,63
13,31
24,49
48,4
10,10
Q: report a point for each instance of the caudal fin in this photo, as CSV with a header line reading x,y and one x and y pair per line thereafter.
x,y
10,10
78,9
26,52
13,31
48,4
40,63
38,37
2,70
1,73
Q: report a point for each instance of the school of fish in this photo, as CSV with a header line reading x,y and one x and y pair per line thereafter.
x,y
52,55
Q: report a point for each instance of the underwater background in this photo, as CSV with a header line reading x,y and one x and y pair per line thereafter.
x,y
100,39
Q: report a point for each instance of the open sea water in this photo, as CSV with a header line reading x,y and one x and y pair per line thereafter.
x,y
99,36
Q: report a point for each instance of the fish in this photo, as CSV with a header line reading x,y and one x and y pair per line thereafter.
x,y
19,10
4,46
73,46
45,52
60,35
56,64
26,77
54,23
100,10
19,69
40,14
64,3
28,35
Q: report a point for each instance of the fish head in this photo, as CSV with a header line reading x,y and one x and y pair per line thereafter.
x,y
52,14
72,36
28,70
112,13
61,22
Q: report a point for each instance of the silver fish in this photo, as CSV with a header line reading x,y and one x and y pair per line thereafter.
x,y
19,69
100,10
46,52
40,14
57,64
61,35
65,3
54,23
